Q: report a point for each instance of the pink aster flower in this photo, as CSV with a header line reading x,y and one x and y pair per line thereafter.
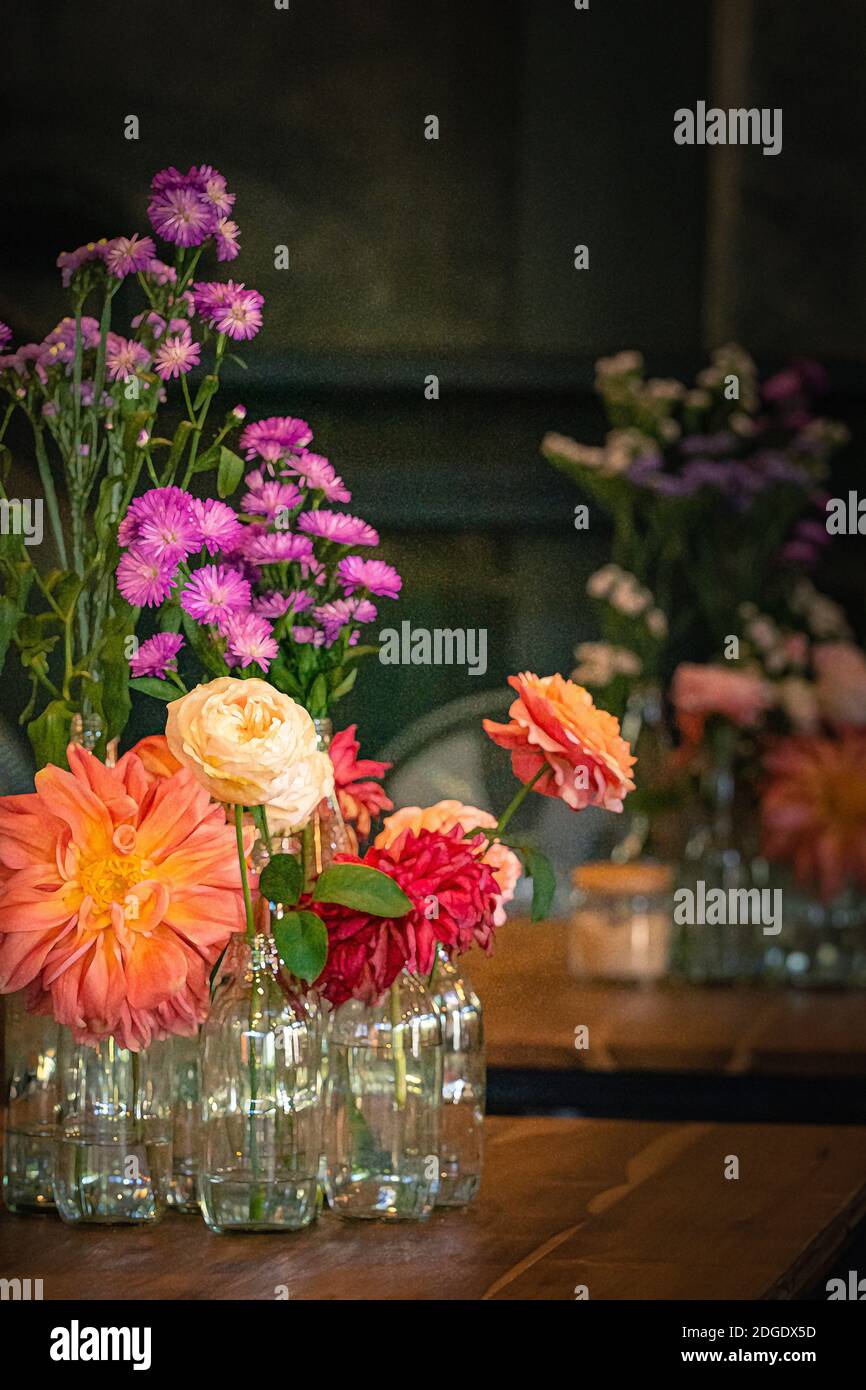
x,y
273,437
160,272
241,317
340,527
144,580
5,334
217,524
274,605
157,655
124,358
249,638
150,505
275,547
59,344
177,355
354,573
209,296
337,614
318,473
271,499
68,262
213,185
182,215
226,235
127,255
215,592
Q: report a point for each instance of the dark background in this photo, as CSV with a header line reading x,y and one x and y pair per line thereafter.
x,y
455,257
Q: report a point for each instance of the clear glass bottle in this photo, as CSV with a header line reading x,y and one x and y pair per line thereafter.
x,y
327,833
382,1107
31,1098
261,1113
185,1114
31,1046
719,856
464,1084
113,1152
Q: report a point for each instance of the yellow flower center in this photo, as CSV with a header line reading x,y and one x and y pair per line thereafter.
x,y
109,881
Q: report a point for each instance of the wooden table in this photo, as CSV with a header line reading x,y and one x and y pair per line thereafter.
x,y
629,1210
532,1007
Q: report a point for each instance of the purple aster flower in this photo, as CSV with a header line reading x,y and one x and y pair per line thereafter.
x,y
157,655
144,580
124,358
318,473
249,638
309,635
275,547
176,355
354,573
340,527
215,592
60,342
161,524
241,317
337,614
5,334
272,498
274,605
152,320
127,255
149,505
210,296
182,215
227,244
213,185
271,438
160,272
217,524
68,262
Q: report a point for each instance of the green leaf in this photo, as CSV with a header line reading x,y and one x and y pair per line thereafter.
x,y
203,647
169,618
230,471
345,685
362,887
213,974
160,690
49,733
302,941
282,879
539,869
9,614
209,384
178,444
317,700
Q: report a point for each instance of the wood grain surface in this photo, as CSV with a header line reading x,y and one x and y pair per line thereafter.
x,y
630,1210
532,1007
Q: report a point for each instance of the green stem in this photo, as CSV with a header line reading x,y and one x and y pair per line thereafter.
x,y
245,882
518,800
47,482
397,1046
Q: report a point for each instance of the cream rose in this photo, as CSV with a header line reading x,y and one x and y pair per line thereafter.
x,y
250,745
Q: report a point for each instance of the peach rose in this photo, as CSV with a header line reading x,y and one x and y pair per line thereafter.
x,y
556,730
741,696
250,745
841,671
503,862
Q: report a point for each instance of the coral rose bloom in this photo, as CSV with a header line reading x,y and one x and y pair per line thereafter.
x,y
118,891
443,817
554,722
813,811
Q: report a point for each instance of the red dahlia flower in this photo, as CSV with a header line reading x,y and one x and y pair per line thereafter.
x,y
454,896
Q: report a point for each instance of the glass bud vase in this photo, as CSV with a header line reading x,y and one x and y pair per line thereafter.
x,y
261,1098
327,833
31,1099
464,1083
383,1101
113,1152
185,1113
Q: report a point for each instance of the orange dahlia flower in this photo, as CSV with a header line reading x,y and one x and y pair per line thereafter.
x,y
813,810
555,726
156,757
118,891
